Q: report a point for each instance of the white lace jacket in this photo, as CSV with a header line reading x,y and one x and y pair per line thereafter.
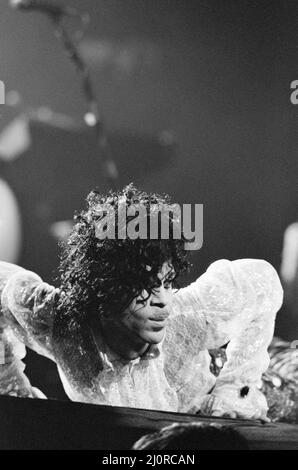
x,y
233,302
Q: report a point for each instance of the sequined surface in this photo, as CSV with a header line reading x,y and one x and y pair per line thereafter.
x,y
233,302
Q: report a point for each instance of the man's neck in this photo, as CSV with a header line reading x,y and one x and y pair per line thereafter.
x,y
119,340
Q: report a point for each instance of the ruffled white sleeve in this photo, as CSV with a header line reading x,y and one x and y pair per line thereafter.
x,y
238,301
25,319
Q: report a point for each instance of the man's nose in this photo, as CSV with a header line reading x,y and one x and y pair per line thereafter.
x,y
160,298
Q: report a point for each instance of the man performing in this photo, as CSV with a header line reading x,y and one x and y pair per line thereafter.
x,y
122,335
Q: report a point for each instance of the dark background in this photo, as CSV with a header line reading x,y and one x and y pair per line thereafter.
x,y
215,73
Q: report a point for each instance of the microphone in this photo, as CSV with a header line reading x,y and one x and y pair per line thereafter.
x,y
50,8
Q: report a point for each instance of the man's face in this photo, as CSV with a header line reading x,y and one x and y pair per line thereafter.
x,y
146,320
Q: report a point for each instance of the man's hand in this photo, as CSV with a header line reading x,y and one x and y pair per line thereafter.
x,y
229,403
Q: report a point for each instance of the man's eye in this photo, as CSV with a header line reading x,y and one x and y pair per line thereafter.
x,y
142,300
156,286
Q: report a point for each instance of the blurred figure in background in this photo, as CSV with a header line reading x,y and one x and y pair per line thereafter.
x,y
289,269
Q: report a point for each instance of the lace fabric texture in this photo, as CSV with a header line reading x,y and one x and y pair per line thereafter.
x,y
234,302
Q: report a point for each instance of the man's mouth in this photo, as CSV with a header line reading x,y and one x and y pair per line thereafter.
x,y
160,317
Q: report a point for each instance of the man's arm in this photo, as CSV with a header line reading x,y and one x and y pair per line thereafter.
x,y
238,301
26,304
25,319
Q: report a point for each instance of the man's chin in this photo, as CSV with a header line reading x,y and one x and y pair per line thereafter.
x,y
154,337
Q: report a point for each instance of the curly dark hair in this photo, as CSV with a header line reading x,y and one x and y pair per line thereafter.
x,y
102,276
